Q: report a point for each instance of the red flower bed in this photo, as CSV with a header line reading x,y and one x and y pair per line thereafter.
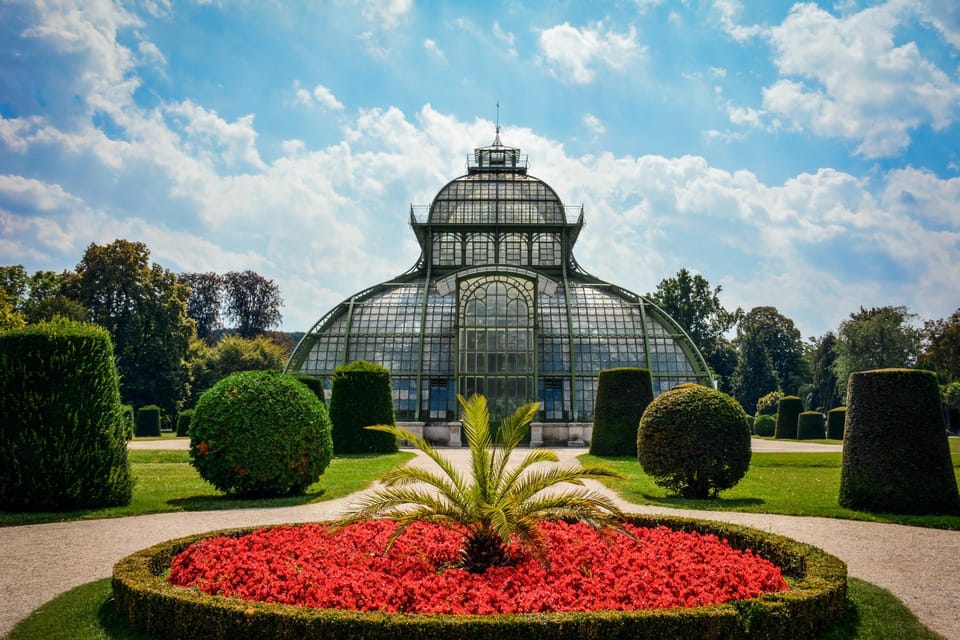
x,y
309,566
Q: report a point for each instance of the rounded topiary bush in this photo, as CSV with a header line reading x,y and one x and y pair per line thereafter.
x,y
810,426
361,396
260,433
896,458
183,422
63,440
835,421
788,411
764,425
622,396
694,441
148,421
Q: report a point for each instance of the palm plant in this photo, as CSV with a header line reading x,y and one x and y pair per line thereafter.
x,y
497,503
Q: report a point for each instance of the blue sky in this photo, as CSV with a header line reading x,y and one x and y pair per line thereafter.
x,y
801,155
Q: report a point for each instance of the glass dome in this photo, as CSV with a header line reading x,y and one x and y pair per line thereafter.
x,y
498,305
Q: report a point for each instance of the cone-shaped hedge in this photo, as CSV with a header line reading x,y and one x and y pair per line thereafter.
x,y
695,441
810,426
835,421
361,396
788,412
896,458
62,434
622,396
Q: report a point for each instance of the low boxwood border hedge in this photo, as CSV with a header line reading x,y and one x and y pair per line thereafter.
x,y
815,602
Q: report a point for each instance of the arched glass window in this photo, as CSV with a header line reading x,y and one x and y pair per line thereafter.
x,y
513,249
446,250
546,250
479,249
496,341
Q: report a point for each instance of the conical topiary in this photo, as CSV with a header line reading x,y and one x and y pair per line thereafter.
x,y
788,413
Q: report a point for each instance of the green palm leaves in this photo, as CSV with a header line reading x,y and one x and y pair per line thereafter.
x,y
498,502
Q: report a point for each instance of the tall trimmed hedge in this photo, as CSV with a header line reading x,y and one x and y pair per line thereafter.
x,y
361,396
148,421
896,458
128,420
62,436
695,441
260,433
622,396
183,422
835,421
788,412
313,383
810,426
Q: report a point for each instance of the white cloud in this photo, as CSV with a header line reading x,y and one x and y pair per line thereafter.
x,y
594,124
507,40
387,13
727,10
235,142
574,54
432,47
326,98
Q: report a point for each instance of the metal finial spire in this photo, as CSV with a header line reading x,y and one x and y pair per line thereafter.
x,y
496,141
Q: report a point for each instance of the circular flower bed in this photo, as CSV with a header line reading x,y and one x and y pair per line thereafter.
x,y
353,591
310,566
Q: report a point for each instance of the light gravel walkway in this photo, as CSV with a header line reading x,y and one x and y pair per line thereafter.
x,y
38,562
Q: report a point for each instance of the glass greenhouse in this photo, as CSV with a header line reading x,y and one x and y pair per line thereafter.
x,y
498,305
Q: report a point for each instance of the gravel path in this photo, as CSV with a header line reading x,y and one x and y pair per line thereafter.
x,y
38,562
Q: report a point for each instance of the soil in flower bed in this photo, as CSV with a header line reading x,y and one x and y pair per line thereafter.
x,y
308,565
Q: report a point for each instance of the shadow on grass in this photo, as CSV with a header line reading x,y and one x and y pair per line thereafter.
x,y
114,627
712,504
216,503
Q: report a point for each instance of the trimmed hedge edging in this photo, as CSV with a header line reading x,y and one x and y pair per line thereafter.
x,y
815,602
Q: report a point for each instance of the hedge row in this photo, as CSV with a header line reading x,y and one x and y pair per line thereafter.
x,y
622,396
361,396
815,602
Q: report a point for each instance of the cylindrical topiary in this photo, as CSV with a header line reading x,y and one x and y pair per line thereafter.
x,y
835,421
788,411
694,441
622,395
896,458
810,426
313,383
128,420
62,438
183,422
361,396
764,425
260,433
148,421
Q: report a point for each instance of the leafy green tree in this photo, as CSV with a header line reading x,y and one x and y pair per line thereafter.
x,y
253,302
754,376
13,282
782,342
10,318
49,298
824,378
696,307
204,303
942,347
876,338
208,365
724,361
144,309
497,501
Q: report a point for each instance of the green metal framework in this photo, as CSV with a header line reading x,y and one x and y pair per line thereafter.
x,y
498,305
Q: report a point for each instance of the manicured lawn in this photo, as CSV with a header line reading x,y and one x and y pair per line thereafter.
x,y
797,484
166,481
87,613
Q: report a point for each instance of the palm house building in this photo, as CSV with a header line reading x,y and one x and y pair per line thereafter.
x,y
498,305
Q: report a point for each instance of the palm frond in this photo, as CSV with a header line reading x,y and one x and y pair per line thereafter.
x,y
537,480
422,445
512,430
533,457
476,429
403,476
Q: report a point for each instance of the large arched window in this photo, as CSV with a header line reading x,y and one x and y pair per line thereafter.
x,y
496,341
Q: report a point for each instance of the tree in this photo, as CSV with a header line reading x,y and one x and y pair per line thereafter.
x,y
144,309
724,361
754,376
13,282
253,302
822,357
696,307
877,338
204,303
495,502
49,298
782,341
942,347
10,318
208,365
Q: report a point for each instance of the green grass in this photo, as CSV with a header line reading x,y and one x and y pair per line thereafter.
x,y
87,613
166,481
796,484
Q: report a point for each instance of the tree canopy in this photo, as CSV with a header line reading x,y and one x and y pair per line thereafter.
x,y
781,339
689,300
204,303
876,338
253,302
942,347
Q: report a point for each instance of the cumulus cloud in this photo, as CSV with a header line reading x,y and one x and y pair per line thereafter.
x,y
235,142
433,48
594,124
507,41
387,13
574,54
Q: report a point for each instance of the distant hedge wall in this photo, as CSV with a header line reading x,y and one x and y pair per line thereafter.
x,y
63,441
622,396
361,396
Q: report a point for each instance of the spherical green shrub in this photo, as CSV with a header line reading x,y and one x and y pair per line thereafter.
x,y
788,411
622,395
183,422
148,421
896,458
62,437
260,433
764,425
835,421
361,396
694,441
810,426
